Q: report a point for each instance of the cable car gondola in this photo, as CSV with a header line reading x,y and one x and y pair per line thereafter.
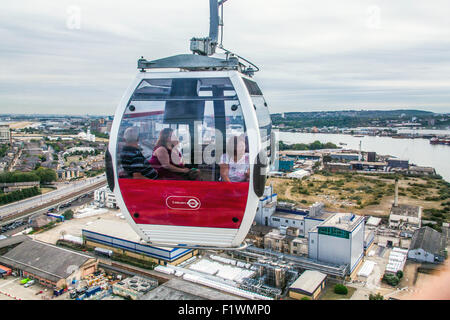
x,y
190,148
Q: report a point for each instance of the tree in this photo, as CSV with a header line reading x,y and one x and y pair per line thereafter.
x,y
377,296
391,279
68,214
45,175
399,274
326,158
340,289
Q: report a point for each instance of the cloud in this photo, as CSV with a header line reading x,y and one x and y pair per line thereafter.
x,y
314,55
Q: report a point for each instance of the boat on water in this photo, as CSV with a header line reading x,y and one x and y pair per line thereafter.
x,y
445,141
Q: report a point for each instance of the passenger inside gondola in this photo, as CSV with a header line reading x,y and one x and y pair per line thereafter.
x,y
234,164
167,159
132,160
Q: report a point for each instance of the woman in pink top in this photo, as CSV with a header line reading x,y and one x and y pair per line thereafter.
x,y
166,158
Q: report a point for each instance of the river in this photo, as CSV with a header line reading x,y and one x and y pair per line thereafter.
x,y
417,151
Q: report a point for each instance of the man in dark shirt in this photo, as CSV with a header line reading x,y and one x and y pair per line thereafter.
x,y
132,159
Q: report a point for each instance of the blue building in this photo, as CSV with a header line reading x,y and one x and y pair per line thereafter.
x,y
119,237
285,165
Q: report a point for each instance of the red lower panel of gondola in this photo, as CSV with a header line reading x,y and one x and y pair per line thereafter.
x,y
185,203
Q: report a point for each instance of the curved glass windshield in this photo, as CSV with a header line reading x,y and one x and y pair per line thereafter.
x,y
183,129
262,114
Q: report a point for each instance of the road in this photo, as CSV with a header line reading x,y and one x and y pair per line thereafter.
x,y
50,197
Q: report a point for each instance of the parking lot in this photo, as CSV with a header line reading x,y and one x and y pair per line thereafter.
x,y
12,289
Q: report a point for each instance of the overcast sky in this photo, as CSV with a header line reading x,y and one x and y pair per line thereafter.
x,y
78,57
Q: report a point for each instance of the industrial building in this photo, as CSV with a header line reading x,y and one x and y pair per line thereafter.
x,y
286,241
285,165
134,288
345,156
266,207
397,260
369,238
179,289
300,155
119,237
338,240
337,166
403,216
49,265
368,166
310,284
371,156
303,220
428,245
325,237
397,163
298,174
426,171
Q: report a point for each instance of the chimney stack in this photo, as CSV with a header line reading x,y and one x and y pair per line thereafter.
x,y
396,193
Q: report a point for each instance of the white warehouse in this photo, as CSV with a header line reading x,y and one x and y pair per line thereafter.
x,y
338,240
428,245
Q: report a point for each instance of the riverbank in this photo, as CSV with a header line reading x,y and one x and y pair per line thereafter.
x,y
417,151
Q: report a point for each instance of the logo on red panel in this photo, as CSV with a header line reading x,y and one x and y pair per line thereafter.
x,y
183,202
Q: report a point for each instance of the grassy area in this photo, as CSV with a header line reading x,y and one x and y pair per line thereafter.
x,y
329,294
45,190
71,159
367,193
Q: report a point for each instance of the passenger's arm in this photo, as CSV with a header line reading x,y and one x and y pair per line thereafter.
x,y
247,174
163,157
138,175
224,169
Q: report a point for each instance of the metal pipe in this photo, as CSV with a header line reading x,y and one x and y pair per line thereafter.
x,y
213,20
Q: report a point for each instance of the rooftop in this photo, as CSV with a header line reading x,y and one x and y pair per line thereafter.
x,y
292,216
423,169
308,282
343,221
138,284
44,260
429,240
373,221
369,163
178,289
406,210
120,230
116,228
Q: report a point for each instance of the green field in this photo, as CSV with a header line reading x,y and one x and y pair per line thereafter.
x,y
367,194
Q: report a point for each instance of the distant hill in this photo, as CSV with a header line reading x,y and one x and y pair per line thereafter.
x,y
358,118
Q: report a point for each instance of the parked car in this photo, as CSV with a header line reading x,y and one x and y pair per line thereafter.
x,y
73,294
29,283
24,281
